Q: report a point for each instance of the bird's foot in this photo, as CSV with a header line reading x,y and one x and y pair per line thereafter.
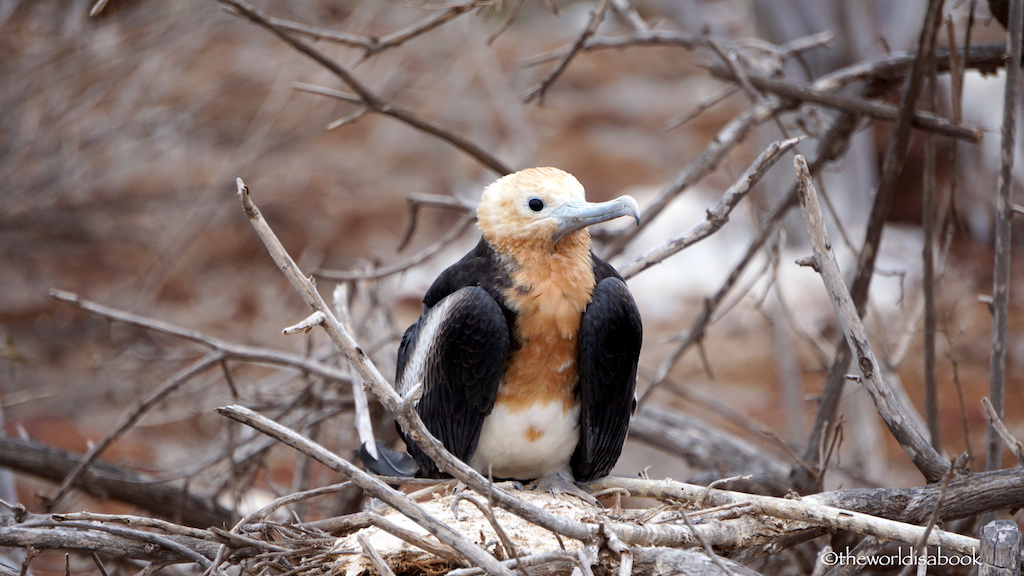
x,y
559,484
510,485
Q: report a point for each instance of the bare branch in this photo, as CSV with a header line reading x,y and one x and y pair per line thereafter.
x,y
717,216
228,350
927,460
809,509
870,108
371,44
423,255
129,420
1004,227
1015,445
368,98
104,480
538,90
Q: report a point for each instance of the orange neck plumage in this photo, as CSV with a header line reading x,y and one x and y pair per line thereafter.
x,y
551,287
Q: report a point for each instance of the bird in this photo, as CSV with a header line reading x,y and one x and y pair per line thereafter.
x,y
525,356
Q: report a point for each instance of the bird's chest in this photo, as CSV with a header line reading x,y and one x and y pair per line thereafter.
x,y
533,429
549,302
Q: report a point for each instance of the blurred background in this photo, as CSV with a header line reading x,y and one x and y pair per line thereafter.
x,y
121,136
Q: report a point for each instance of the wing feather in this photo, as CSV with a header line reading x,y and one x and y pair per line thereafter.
x,y
457,353
610,338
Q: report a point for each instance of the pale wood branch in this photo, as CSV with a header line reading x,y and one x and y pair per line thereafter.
x,y
889,407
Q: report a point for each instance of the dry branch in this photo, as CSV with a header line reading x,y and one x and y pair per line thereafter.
x,y
446,239
709,449
1015,445
56,537
596,16
371,485
716,216
128,420
372,45
864,107
367,99
889,407
229,350
808,509
104,480
1004,215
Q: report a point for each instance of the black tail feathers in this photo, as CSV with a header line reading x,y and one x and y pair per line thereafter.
x,y
388,462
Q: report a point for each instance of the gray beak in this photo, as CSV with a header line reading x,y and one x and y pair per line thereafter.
x,y
579,214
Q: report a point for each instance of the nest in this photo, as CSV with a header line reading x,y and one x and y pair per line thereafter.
x,y
506,535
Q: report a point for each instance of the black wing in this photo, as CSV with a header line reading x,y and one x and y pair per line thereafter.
x,y
610,337
457,352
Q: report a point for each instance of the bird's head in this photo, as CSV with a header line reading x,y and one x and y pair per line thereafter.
x,y
541,206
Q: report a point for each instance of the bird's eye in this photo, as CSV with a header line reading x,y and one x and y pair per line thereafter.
x,y
536,204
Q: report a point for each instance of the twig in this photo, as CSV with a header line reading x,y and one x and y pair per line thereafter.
x,y
1004,227
927,460
506,22
725,140
99,564
928,220
311,321
1016,446
871,108
369,99
701,106
437,549
375,559
108,481
535,560
933,519
716,216
454,232
129,420
372,45
181,550
506,542
228,350
538,90
363,420
806,509
128,520
715,220
728,137
48,535
97,8
705,544
740,75
416,202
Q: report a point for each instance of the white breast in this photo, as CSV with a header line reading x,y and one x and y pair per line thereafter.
x,y
528,444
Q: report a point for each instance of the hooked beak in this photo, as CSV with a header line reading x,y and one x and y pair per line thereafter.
x,y
579,214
